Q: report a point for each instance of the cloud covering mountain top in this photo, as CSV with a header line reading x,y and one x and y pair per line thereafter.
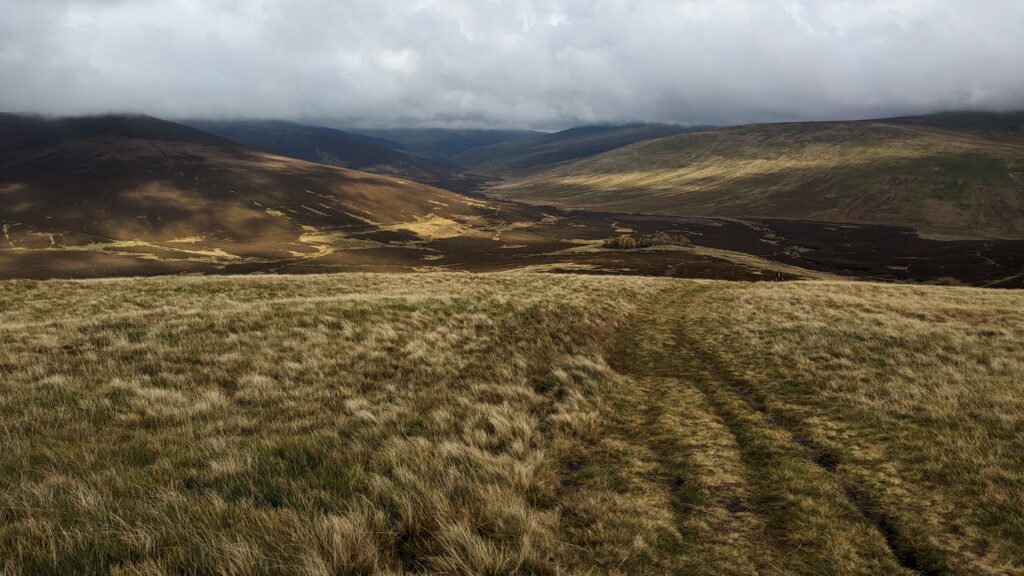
x,y
511,63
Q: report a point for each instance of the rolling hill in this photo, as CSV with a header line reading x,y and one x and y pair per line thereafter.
x,y
337,148
950,175
517,157
106,186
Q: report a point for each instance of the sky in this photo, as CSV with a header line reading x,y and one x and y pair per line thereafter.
x,y
542,64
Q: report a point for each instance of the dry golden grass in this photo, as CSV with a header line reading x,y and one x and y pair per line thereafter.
x,y
913,396
509,424
309,425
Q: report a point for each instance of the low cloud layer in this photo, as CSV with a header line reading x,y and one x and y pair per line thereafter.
x,y
511,63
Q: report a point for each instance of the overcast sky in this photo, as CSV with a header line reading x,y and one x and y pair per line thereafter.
x,y
512,63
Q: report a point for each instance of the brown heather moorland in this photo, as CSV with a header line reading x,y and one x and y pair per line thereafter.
x,y
105,196
509,424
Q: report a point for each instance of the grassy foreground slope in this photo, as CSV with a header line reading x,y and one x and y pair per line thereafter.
x,y
509,423
940,177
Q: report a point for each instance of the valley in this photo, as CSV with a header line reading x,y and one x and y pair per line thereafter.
x,y
128,196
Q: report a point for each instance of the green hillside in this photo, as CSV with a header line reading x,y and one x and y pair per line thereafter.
x,y
948,175
509,424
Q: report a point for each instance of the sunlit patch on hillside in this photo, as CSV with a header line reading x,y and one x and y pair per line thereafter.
x,y
435,228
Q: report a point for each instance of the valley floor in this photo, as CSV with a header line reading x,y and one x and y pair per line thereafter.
x,y
509,423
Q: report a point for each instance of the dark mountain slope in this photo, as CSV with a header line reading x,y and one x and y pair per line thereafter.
x,y
337,148
1008,125
138,184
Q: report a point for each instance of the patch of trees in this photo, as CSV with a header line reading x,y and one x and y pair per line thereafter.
x,y
637,241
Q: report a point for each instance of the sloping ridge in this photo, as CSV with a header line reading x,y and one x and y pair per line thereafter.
x,y
23,136
950,175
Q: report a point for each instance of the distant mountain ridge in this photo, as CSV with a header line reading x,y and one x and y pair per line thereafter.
x,y
549,149
338,148
445,142
996,124
22,135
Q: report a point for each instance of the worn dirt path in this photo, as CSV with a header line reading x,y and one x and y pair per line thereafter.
x,y
749,494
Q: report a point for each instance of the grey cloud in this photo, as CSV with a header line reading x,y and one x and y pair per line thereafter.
x,y
542,64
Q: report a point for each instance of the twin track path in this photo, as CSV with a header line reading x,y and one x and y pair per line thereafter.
x,y
748,493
